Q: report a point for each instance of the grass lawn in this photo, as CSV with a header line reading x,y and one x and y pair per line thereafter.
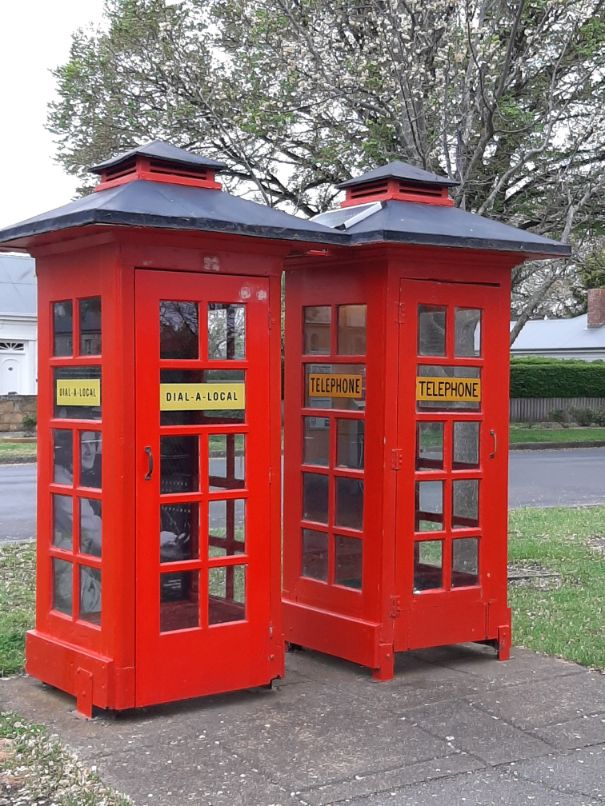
x,y
569,620
521,433
17,597
17,450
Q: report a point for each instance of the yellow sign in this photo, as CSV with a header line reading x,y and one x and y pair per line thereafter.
x,y
79,392
202,396
324,385
462,390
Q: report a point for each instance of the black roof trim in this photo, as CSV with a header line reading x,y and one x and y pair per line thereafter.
x,y
400,170
157,149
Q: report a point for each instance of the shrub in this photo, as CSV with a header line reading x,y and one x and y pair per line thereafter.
x,y
550,377
583,417
30,421
559,416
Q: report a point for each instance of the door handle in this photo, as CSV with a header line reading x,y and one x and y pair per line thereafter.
x,y
149,453
494,436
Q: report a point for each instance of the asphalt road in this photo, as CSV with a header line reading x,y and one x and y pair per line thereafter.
x,y
537,479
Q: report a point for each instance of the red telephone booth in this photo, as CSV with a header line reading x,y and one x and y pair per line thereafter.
x,y
159,434
396,450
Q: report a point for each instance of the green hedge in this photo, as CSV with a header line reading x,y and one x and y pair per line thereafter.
x,y
550,377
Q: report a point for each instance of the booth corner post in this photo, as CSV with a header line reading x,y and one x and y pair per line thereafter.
x,y
396,430
158,545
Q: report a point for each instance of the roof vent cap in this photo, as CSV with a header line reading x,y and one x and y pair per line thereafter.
x,y
398,181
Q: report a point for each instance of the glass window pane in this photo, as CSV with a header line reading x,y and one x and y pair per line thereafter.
x,y
335,386
226,594
429,506
431,329
62,586
349,503
91,533
428,565
348,561
202,397
90,594
352,329
179,601
226,461
316,441
63,328
77,393
179,464
315,554
179,532
226,331
91,453
465,562
465,504
90,326
448,388
63,519
179,326
429,446
467,332
226,527
350,443
466,446
315,497
63,456
317,321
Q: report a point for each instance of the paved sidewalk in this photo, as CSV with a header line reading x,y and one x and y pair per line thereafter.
x,y
454,727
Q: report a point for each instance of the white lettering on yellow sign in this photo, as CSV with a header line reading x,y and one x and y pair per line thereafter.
x,y
202,396
462,390
324,385
79,392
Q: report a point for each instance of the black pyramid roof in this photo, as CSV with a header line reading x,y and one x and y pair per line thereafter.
x,y
157,149
400,170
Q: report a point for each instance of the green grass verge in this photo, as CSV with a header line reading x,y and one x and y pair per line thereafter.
x,y
17,450
520,433
17,598
568,621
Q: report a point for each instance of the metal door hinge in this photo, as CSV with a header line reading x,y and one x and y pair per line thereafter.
x,y
395,606
396,459
270,630
401,313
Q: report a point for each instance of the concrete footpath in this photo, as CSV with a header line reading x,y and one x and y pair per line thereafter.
x,y
454,727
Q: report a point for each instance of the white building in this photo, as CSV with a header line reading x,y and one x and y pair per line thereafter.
x,y
18,325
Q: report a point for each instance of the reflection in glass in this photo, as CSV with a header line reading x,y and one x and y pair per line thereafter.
x,y
68,410
428,565
352,329
431,330
201,416
179,464
316,441
226,461
429,446
179,601
226,527
227,594
467,332
466,445
63,518
465,562
62,586
63,456
317,320
63,328
465,504
90,326
226,331
429,506
90,526
179,532
350,443
90,594
315,497
471,393
179,329
347,381
91,453
349,502
348,561
314,554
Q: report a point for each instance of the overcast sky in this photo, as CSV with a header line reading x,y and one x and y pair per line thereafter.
x,y
35,36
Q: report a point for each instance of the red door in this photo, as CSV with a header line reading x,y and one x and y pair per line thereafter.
x,y
451,496
203,592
